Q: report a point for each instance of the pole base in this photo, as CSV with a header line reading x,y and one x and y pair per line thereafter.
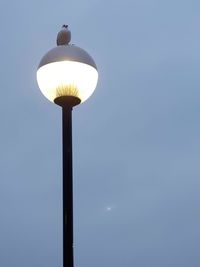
x,y
67,101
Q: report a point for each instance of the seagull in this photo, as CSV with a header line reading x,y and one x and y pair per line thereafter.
x,y
64,36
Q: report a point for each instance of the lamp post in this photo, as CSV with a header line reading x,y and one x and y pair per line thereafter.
x,y
67,75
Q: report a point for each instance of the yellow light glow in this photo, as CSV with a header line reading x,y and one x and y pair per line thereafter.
x,y
67,78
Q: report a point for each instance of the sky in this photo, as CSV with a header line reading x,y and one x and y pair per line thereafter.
x,y
136,141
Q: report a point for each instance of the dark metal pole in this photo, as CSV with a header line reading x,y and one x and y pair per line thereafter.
x,y
67,187
67,103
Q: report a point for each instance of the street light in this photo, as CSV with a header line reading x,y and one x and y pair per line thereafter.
x,y
67,75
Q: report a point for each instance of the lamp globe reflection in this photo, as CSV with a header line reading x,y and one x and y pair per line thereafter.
x,y
67,70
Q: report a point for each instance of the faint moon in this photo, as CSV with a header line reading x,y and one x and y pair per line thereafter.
x,y
108,208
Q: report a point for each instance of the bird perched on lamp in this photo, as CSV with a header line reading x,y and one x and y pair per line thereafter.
x,y
64,36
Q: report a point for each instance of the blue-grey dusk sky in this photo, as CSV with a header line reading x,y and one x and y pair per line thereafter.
x,y
136,140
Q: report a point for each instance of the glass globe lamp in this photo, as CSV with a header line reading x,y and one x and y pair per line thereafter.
x,y
67,72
